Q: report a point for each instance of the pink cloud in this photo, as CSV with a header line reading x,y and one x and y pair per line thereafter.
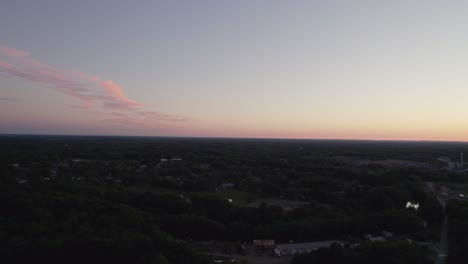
x,y
11,52
92,91
24,67
4,64
116,91
95,79
51,79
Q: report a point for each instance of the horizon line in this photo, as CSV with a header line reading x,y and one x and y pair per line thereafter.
x,y
227,137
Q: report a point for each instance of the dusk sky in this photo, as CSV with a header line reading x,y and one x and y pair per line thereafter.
x,y
246,68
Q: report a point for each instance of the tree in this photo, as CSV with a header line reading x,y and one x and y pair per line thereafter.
x,y
432,211
160,259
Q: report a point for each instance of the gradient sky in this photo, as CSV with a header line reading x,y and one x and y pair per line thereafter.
x,y
246,68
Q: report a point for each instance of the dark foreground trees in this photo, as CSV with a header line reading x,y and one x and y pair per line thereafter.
x,y
90,199
75,226
401,252
457,212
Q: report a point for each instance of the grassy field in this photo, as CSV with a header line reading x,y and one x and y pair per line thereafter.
x,y
457,187
238,198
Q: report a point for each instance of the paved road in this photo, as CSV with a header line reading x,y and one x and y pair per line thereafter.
x,y
442,248
442,254
443,194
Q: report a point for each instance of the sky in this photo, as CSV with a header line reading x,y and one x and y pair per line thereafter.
x,y
350,69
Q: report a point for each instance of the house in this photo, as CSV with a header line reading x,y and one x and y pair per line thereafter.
x,y
77,178
375,238
21,180
387,234
53,173
110,179
302,248
412,205
77,160
161,161
264,243
186,199
227,186
141,169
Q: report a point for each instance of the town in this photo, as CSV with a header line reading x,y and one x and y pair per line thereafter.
x,y
232,200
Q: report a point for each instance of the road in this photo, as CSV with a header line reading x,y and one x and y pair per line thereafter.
x,y
443,194
442,254
442,248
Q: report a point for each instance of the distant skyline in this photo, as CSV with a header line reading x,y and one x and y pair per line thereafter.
x,y
378,70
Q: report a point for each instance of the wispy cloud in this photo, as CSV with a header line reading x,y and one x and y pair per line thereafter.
x,y
92,91
6,65
116,91
13,52
159,116
8,100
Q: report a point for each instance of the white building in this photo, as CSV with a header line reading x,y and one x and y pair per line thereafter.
x,y
302,248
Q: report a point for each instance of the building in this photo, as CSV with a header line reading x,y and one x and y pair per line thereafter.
x,y
302,248
264,243
372,238
387,233
227,186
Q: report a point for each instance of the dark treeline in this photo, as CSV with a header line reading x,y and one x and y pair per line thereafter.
x,y
385,253
143,200
457,212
